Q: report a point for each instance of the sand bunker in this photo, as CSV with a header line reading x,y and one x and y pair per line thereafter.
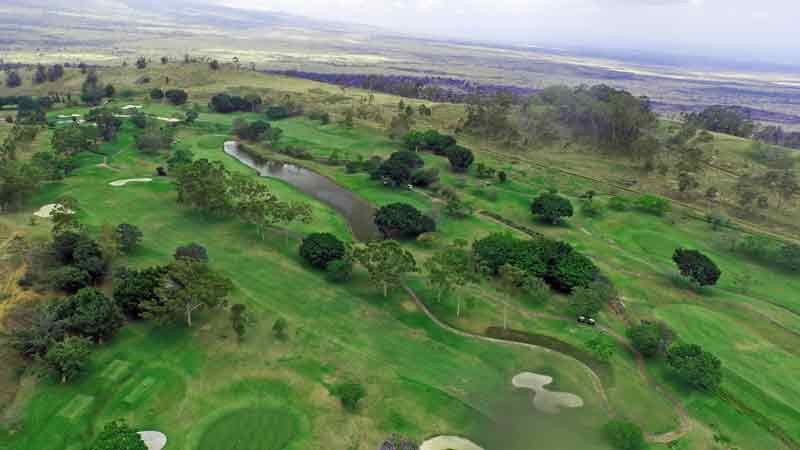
x,y
131,180
169,119
62,116
544,400
449,443
46,211
154,440
127,107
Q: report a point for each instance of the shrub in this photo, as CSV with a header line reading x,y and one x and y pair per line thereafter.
x,y
551,207
624,435
699,268
393,172
89,313
646,338
280,328
425,178
349,394
401,220
653,205
128,236
592,208
618,203
484,171
339,271
695,366
118,435
176,96
319,249
460,158
192,251
409,159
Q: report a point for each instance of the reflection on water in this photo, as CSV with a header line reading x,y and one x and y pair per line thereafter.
x,y
358,212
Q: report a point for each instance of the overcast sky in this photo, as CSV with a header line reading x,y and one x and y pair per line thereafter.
x,y
742,29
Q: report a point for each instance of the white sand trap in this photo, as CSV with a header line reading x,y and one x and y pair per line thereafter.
x,y
449,443
169,119
46,211
544,400
62,116
119,183
154,440
127,107
123,116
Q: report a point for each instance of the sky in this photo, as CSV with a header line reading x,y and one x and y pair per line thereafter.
x,y
767,30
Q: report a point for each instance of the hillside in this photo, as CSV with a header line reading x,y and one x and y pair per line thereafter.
x,y
427,366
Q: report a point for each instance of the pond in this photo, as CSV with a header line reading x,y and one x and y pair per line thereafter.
x,y
358,212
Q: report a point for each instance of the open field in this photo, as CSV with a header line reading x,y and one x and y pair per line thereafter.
x,y
201,388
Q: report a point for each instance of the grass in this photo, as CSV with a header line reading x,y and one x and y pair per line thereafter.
x,y
177,379
201,388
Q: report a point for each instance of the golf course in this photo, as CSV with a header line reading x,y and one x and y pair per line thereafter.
x,y
488,365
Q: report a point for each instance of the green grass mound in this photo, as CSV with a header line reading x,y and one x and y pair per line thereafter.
x,y
251,429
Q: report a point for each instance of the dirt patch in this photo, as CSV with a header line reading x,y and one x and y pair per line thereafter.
x,y
546,401
154,440
449,443
131,180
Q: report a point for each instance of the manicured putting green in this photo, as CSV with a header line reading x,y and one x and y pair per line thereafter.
x,y
251,429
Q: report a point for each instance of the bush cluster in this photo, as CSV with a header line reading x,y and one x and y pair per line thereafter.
x,y
558,263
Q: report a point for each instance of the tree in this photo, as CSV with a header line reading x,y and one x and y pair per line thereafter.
x,y
699,268
141,62
154,139
89,313
193,251
128,236
13,79
695,366
189,286
117,435
624,435
180,156
551,207
239,320
340,270
70,279
190,116
39,75
205,185
457,208
393,172
156,94
401,220
320,249
134,287
460,158
176,96
279,328
687,182
34,329
387,263
645,338
213,65
349,394
67,359
449,270
511,278
589,301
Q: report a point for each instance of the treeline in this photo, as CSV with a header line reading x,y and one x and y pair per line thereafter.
x,y
225,103
437,89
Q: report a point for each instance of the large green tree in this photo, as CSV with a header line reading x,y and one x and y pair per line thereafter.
x,y
699,268
551,207
695,366
188,286
68,358
387,263
448,270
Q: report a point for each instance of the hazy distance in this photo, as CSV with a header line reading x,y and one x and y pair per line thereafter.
x,y
732,30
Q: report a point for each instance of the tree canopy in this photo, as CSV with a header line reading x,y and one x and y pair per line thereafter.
x,y
699,268
401,220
